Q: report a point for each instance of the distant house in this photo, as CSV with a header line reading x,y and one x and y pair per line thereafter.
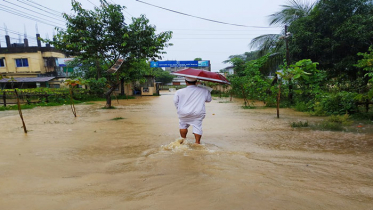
x,y
228,70
19,60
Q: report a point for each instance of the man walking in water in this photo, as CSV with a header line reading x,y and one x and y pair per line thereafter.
x,y
190,105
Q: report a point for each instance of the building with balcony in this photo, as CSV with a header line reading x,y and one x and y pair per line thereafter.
x,y
19,60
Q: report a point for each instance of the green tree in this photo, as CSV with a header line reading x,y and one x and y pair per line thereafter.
x,y
293,72
100,37
366,63
274,43
162,76
333,34
248,81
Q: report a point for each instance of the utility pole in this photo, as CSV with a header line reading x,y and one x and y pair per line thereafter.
x,y
287,45
287,36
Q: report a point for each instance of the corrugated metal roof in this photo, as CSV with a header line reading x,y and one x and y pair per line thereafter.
x,y
27,79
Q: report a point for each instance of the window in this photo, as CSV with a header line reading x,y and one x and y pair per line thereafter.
x,y
21,62
2,62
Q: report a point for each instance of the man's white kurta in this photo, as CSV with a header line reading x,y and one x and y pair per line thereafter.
x,y
190,101
190,105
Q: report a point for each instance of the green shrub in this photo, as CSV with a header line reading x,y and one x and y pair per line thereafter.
x,y
299,124
337,104
329,126
341,119
302,107
334,123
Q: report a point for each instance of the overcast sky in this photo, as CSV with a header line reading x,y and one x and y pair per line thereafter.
x,y
192,37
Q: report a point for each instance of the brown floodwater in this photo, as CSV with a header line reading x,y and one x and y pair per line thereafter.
x,y
248,159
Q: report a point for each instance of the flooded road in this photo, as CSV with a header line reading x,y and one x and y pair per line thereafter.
x,y
248,159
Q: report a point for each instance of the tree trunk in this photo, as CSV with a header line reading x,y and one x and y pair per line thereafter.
x,y
278,100
108,95
98,69
122,87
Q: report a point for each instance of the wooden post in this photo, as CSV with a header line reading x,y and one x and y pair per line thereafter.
x,y
278,100
4,98
20,112
288,63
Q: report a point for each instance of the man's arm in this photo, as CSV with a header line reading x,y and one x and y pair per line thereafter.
x,y
208,97
176,100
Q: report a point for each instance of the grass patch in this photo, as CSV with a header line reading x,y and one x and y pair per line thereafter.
x,y
118,118
329,126
299,124
248,107
366,117
334,123
112,107
225,102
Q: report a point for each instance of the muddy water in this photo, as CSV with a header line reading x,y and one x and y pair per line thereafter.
x,y
248,160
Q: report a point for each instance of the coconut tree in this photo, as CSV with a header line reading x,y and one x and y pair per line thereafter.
x,y
275,43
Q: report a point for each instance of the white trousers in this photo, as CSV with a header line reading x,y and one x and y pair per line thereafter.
x,y
196,122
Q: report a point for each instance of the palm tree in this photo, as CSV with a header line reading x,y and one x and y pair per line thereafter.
x,y
290,13
274,43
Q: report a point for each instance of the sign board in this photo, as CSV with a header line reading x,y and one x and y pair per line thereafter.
x,y
116,66
155,64
62,62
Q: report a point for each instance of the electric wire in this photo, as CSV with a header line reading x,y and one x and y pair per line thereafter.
x,y
128,13
31,17
23,1
214,38
92,3
215,21
34,11
15,32
192,29
44,6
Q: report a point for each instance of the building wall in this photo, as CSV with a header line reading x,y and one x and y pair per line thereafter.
x,y
150,91
128,90
35,63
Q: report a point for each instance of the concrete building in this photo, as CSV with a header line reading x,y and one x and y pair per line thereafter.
x,y
21,60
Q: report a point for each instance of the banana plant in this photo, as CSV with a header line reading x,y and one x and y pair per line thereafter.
x,y
293,72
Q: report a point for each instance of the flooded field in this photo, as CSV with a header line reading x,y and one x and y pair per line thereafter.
x,y
248,159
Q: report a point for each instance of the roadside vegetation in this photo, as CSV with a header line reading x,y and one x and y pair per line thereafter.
x,y
31,98
322,62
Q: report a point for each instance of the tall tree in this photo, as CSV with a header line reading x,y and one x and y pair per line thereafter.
x,y
333,34
101,37
275,43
